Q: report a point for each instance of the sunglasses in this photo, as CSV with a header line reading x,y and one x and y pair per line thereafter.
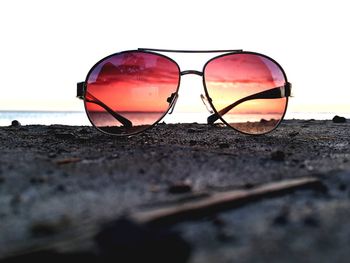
x,y
129,92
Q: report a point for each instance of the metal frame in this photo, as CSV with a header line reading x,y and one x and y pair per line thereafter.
x,y
190,51
277,92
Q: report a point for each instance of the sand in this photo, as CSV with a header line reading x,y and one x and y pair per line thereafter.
x,y
57,179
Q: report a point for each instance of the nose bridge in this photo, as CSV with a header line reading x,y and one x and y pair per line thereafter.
x,y
196,72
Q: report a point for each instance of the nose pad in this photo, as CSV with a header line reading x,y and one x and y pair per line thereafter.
x,y
206,103
172,101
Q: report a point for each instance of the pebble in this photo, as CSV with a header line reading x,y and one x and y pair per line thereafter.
x,y
16,199
281,219
278,156
338,119
52,155
67,161
44,228
15,123
83,131
61,188
248,185
180,188
293,134
311,221
114,156
67,136
41,229
193,142
223,230
195,130
154,188
225,236
191,130
38,179
2,179
218,221
342,187
224,145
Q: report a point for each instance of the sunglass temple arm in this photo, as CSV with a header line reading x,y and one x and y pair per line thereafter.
x,y
92,99
275,93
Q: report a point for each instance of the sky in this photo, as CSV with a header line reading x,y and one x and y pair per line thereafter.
x,y
46,47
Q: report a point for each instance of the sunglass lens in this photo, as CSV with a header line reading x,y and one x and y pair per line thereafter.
x,y
128,92
244,90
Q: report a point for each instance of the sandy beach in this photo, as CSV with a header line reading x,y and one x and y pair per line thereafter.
x,y
70,191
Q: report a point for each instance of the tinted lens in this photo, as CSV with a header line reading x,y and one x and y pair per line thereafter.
x,y
243,87
128,92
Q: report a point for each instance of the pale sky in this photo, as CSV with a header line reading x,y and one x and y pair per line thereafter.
x,y
48,46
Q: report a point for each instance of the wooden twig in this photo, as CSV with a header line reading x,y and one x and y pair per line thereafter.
x,y
222,200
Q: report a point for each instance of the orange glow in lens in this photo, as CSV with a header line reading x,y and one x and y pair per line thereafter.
x,y
232,77
137,86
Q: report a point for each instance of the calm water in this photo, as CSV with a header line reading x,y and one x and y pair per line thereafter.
x,y
43,117
80,118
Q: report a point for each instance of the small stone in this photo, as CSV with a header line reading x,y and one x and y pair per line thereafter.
x,y
195,130
83,131
193,142
278,156
65,136
44,228
225,236
342,187
293,134
61,188
309,167
224,145
16,199
180,188
248,185
114,156
338,119
15,123
2,179
67,161
311,221
281,219
154,188
218,221
52,155
38,179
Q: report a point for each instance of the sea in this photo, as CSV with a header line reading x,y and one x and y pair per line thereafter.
x,y
79,117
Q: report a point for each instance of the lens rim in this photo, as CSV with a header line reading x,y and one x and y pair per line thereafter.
x,y
120,53
210,100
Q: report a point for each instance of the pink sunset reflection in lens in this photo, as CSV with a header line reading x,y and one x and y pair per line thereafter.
x,y
128,92
233,81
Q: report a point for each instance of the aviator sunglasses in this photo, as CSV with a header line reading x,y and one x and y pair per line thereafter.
x,y
131,91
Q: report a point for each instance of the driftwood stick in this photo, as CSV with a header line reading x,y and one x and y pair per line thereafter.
x,y
223,200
